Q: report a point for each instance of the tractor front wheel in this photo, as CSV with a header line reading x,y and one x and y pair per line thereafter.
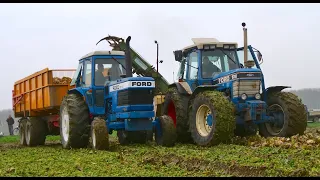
x,y
165,134
289,114
212,119
99,134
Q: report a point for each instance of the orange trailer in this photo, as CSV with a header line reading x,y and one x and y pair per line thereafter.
x,y
38,96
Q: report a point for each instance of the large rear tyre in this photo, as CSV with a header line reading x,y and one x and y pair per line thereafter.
x,y
176,106
212,119
35,131
167,135
99,134
289,113
22,129
74,122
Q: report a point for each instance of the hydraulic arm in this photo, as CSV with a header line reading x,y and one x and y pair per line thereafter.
x,y
139,65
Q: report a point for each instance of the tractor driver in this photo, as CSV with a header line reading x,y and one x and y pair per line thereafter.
x,y
99,77
208,68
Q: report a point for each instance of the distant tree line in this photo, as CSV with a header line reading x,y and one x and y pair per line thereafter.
x,y
310,97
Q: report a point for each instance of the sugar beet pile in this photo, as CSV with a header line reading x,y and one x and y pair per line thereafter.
x,y
310,139
63,80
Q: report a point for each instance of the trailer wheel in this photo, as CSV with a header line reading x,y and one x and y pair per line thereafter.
x,y
290,115
35,131
74,122
99,134
212,119
22,134
168,134
176,106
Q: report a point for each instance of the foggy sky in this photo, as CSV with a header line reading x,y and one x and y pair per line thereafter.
x,y
36,36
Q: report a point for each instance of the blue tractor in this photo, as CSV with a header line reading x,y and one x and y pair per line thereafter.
x,y
221,93
106,98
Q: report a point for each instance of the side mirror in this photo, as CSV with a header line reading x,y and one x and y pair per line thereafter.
x,y
178,55
260,59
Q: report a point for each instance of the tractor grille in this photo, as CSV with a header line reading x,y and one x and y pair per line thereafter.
x,y
250,87
135,96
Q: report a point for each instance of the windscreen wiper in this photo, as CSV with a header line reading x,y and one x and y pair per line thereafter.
x,y
119,63
228,56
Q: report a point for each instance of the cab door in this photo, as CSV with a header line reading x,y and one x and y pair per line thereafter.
x,y
86,84
97,91
193,69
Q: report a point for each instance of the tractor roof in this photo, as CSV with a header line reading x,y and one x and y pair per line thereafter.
x,y
103,53
199,42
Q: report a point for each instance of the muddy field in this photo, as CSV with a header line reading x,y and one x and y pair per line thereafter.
x,y
255,156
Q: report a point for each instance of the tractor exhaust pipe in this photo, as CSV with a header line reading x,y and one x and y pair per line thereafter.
x,y
245,44
128,58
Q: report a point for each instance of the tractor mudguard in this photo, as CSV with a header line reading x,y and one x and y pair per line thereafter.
x,y
183,88
203,88
273,89
76,91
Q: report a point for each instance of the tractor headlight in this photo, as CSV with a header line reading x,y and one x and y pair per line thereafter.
x,y
257,96
226,46
244,96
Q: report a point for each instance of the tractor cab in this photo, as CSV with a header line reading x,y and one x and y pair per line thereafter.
x,y
98,68
220,64
95,71
208,58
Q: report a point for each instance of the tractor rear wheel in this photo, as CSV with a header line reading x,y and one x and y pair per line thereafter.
x,y
22,133
212,119
168,135
74,122
99,134
176,106
289,113
35,131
